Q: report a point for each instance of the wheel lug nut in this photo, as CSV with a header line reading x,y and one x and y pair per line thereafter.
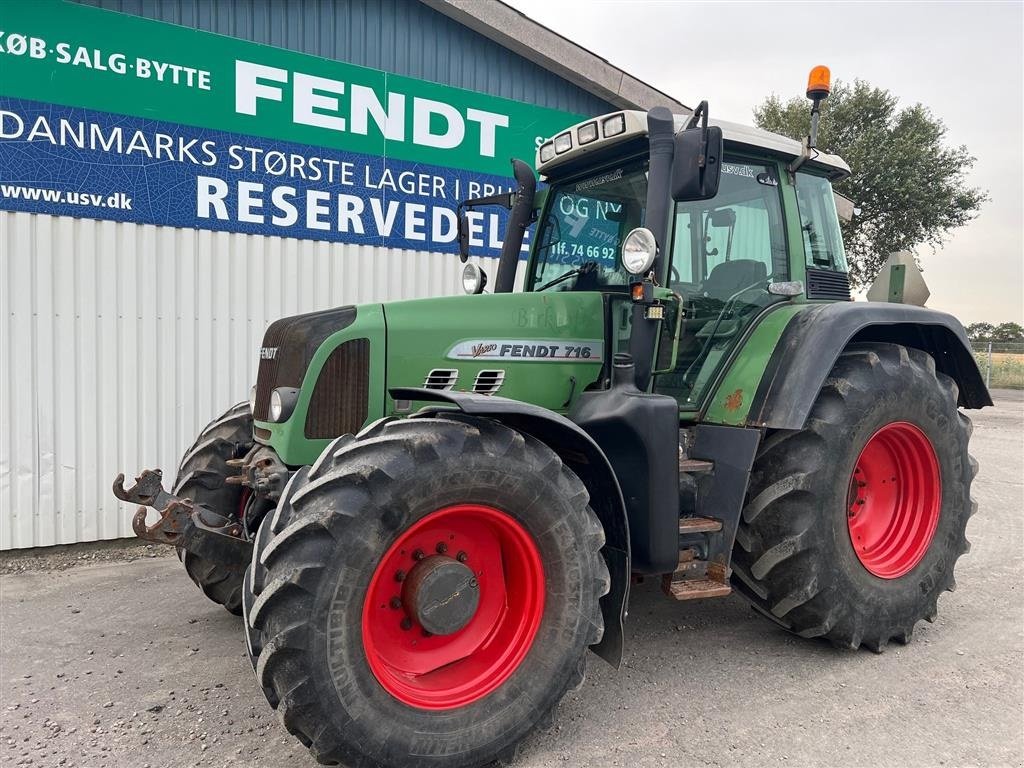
x,y
396,602
861,484
462,557
418,555
406,623
399,575
441,548
860,501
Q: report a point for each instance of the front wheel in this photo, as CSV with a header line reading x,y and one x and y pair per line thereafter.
x,y
429,595
854,524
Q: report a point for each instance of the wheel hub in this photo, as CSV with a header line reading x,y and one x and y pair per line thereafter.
x,y
894,500
453,606
442,594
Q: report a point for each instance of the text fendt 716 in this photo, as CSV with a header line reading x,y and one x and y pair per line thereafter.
x,y
430,510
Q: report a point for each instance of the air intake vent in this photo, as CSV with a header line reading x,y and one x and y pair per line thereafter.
x,y
825,284
488,382
340,400
441,378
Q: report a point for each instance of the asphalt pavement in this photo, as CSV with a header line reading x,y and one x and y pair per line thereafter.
x,y
126,664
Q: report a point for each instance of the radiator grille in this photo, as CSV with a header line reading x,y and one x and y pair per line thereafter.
x,y
288,346
826,284
340,400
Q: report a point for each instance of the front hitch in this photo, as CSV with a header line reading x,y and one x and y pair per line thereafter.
x,y
183,523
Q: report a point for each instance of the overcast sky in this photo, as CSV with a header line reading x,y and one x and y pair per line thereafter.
x,y
961,59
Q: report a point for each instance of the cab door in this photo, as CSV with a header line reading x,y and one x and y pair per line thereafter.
x,y
725,252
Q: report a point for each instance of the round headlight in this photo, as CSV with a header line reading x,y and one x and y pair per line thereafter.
x,y
252,399
638,251
474,279
276,406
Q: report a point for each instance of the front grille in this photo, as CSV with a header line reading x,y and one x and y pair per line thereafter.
x,y
826,284
340,400
288,346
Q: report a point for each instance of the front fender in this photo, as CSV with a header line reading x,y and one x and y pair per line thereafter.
x,y
815,337
584,457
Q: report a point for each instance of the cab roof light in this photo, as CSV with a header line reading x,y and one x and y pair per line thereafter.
x,y
614,125
563,143
547,151
587,133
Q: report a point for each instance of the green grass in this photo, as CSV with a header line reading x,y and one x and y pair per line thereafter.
x,y
1007,369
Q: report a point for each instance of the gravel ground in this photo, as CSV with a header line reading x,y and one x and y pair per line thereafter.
x,y
126,664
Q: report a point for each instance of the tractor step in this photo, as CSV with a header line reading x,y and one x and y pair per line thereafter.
x,y
694,466
694,589
698,525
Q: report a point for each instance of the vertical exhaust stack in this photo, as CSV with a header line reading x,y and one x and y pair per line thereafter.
x,y
644,334
518,221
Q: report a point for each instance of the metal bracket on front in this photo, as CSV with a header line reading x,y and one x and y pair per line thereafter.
x,y
183,523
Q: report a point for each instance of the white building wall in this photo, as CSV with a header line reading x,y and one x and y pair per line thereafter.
x,y
118,342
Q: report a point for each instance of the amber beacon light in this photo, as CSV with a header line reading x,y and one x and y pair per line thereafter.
x,y
819,83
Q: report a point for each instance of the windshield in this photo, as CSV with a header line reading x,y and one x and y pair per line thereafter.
x,y
584,223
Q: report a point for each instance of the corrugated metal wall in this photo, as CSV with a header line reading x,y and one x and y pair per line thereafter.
x,y
399,36
118,342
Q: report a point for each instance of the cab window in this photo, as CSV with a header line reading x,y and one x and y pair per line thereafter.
x,y
819,223
741,226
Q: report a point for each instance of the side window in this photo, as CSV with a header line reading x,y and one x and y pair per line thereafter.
x,y
743,224
819,223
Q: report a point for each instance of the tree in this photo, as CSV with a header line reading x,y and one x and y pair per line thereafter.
x,y
980,331
910,187
1008,332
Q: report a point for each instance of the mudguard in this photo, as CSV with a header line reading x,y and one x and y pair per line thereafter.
x,y
814,339
581,454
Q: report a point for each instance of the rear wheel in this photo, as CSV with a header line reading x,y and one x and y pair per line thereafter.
x,y
431,596
854,524
201,477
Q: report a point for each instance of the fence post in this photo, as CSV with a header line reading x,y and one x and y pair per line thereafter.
x,y
988,371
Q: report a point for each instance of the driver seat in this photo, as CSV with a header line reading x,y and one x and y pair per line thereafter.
x,y
731,276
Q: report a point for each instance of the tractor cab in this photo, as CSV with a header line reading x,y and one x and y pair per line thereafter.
x,y
767,235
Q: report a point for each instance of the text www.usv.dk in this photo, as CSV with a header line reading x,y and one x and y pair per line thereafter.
x,y
117,200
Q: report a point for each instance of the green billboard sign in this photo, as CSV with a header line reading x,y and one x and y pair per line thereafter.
x,y
264,140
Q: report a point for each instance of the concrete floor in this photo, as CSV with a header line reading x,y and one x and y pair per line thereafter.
x,y
128,665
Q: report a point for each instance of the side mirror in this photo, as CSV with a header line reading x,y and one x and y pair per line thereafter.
x,y
697,163
463,232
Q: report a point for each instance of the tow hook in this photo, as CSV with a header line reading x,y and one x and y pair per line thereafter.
x,y
183,523
262,471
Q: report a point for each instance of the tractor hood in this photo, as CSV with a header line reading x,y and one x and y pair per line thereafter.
x,y
333,368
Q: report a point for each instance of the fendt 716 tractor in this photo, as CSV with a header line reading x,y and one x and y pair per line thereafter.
x,y
430,510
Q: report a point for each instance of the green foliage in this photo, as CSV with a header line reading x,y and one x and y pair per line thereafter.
x,y
1004,332
910,186
980,331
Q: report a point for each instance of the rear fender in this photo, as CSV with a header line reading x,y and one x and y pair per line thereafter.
x,y
814,339
583,456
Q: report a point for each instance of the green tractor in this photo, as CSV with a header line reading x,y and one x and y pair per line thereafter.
x,y
430,510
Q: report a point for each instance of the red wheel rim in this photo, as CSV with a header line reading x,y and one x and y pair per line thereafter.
x,y
894,499
447,671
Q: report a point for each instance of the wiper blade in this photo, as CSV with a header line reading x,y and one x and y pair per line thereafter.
x,y
583,269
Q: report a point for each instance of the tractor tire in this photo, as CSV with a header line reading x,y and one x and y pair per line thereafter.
x,y
853,525
201,477
348,591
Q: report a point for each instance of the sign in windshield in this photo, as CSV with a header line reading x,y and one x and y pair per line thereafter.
x,y
585,222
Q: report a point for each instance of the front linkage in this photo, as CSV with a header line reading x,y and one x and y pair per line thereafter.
x,y
185,524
